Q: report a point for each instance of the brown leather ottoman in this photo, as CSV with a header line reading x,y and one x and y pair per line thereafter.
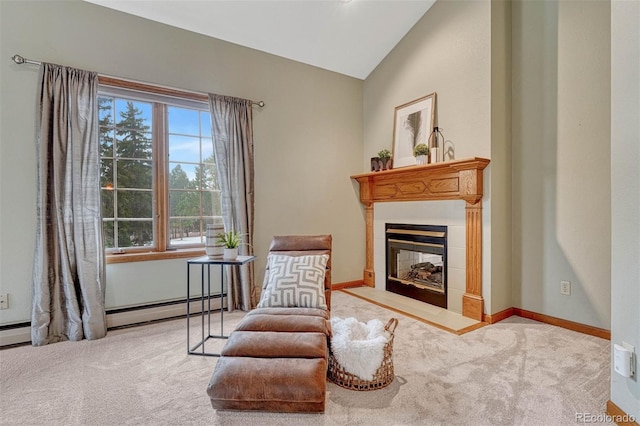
x,y
274,361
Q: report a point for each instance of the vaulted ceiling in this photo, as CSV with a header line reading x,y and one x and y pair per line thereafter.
x,y
348,37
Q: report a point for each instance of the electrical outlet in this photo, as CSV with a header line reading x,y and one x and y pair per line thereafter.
x,y
4,301
565,288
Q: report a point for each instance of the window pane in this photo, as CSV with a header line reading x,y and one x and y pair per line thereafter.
x,y
178,178
134,174
184,148
184,203
185,231
184,121
135,233
106,141
211,204
135,204
105,111
133,144
209,177
133,115
106,173
205,123
108,234
106,198
182,176
207,150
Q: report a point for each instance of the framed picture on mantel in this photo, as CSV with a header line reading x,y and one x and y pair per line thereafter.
x,y
412,125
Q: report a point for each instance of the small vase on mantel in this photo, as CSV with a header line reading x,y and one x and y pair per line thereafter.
x,y
421,159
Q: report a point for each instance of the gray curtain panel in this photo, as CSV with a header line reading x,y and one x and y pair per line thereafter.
x,y
68,272
232,129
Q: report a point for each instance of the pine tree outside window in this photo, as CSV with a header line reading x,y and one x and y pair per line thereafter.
x,y
158,177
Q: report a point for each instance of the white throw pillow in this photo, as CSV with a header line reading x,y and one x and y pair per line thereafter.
x,y
295,281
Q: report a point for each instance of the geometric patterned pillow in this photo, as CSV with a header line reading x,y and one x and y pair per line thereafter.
x,y
295,281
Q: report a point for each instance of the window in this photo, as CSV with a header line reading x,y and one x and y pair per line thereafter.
x,y
158,176
194,198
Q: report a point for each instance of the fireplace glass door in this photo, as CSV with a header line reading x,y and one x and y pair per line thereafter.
x,y
417,262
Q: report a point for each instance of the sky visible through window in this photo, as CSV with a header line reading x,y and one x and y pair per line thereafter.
x,y
189,132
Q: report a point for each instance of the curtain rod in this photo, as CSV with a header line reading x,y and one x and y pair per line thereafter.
x,y
22,60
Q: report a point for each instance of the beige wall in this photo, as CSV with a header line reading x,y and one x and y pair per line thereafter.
x,y
625,194
561,170
308,139
448,52
500,190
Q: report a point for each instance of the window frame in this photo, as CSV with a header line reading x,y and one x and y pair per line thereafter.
x,y
161,98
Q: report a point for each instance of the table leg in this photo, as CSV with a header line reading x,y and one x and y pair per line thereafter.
x,y
222,300
202,306
188,305
208,301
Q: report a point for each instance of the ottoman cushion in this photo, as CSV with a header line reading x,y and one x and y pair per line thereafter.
x,y
269,384
285,323
271,344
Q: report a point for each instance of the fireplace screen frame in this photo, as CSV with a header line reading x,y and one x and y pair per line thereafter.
x,y
431,239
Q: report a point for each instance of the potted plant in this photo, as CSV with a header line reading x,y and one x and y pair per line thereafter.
x,y
421,151
385,159
231,241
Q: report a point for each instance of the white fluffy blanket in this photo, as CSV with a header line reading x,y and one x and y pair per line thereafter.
x,y
358,347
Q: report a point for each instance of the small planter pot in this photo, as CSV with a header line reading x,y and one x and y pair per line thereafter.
x,y
385,163
421,159
230,254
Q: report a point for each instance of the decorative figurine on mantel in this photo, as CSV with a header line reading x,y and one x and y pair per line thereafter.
x,y
437,145
382,162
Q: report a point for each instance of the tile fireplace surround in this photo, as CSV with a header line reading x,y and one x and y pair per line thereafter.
x,y
452,180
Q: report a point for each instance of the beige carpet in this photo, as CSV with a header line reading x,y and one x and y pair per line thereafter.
x,y
516,372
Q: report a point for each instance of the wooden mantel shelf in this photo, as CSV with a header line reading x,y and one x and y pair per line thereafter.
x,y
452,180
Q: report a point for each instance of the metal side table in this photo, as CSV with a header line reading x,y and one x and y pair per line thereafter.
x,y
205,263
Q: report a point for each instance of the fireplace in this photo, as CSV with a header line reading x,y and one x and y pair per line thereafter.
x,y
416,258
449,180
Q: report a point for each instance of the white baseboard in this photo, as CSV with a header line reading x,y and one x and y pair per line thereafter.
x,y
16,336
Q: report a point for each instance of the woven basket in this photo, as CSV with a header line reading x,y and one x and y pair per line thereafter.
x,y
383,377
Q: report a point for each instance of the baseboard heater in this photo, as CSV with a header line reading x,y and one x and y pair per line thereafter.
x,y
16,334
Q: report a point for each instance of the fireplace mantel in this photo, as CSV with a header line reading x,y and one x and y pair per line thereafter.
x,y
452,180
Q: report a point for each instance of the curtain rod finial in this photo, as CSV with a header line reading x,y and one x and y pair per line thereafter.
x,y
18,59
